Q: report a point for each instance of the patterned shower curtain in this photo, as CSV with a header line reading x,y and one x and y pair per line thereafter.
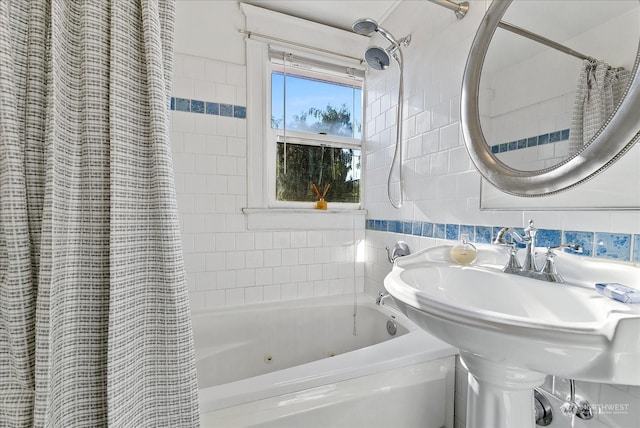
x,y
95,325
600,88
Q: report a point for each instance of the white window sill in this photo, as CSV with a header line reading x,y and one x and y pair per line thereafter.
x,y
303,219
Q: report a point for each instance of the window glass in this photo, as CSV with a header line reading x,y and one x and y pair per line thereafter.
x,y
320,165
316,106
322,130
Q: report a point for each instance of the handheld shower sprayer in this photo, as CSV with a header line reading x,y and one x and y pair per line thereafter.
x,y
379,59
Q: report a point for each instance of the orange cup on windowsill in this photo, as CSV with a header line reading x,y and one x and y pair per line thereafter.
x,y
321,204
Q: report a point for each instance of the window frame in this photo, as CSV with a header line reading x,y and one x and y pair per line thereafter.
x,y
273,136
265,28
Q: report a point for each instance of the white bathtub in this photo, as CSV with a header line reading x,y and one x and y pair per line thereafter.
x,y
299,364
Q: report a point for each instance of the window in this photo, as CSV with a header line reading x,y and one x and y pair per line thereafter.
x,y
315,135
317,53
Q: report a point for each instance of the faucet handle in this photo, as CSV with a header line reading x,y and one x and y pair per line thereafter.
x,y
516,239
401,249
549,271
513,264
499,239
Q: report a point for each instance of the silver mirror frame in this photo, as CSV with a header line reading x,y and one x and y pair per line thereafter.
x,y
616,137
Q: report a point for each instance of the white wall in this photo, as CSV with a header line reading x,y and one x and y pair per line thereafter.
x,y
209,29
227,263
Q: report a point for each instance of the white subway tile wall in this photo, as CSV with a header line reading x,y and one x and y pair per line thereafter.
x,y
226,264
441,185
440,182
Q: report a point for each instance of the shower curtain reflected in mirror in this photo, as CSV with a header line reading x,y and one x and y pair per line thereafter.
x,y
600,88
95,325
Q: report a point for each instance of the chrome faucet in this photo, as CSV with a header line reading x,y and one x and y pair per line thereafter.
x,y
548,272
401,249
530,233
513,265
382,297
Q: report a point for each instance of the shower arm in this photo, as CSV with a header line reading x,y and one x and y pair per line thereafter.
x,y
395,44
394,49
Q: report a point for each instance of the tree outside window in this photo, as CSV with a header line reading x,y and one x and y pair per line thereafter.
x,y
317,160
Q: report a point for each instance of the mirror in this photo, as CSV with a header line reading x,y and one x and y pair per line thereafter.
x,y
530,65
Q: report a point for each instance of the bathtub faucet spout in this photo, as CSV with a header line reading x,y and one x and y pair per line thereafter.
x,y
382,297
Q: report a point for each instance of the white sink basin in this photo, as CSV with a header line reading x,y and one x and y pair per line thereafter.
x,y
565,329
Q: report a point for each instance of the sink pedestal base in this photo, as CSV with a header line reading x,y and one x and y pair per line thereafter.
x,y
499,396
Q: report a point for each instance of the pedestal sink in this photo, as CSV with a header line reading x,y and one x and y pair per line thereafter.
x,y
512,331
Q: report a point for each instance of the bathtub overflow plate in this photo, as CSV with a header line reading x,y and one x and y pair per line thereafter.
x,y
392,327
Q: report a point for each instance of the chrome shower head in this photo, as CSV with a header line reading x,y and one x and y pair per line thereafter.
x,y
365,26
377,58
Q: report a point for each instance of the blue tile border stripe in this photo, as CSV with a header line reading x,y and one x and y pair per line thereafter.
x,y
207,107
606,245
537,140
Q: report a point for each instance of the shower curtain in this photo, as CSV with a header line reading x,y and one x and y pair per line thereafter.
x,y
599,90
95,325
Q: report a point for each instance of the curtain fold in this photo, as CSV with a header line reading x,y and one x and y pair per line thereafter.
x,y
95,324
599,90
